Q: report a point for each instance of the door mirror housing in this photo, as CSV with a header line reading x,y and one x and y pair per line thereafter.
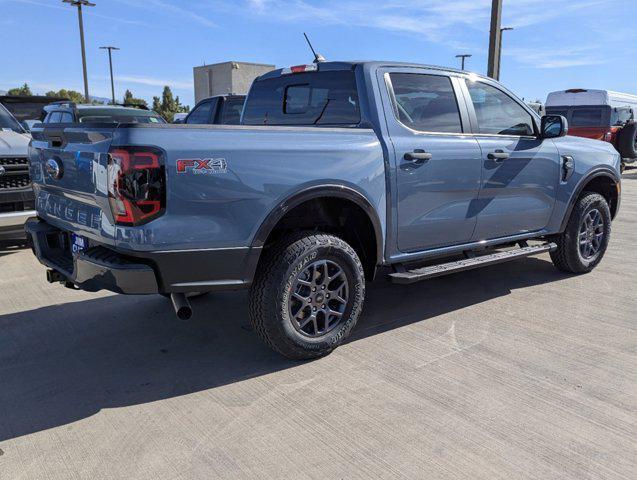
x,y
554,126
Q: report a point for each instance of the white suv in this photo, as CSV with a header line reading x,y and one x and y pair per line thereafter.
x,y
16,193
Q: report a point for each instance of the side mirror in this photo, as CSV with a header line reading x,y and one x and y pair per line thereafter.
x,y
554,126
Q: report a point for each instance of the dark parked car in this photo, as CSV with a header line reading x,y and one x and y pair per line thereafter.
x,y
69,112
28,110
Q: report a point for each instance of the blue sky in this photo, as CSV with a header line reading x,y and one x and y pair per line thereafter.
x,y
555,45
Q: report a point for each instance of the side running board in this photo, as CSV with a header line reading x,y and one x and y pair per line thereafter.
x,y
432,271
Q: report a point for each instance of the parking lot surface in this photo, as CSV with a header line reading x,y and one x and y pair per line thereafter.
x,y
514,371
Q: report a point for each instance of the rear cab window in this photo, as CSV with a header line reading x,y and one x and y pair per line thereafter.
x,y
583,115
327,98
231,111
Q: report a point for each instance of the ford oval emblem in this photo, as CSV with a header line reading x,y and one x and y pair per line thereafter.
x,y
54,168
2,170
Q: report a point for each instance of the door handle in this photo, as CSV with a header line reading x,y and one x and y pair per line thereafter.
x,y
417,156
498,156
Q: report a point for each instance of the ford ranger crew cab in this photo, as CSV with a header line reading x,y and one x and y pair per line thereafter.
x,y
339,171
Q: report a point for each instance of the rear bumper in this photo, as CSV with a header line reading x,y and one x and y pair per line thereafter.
x,y
12,224
139,273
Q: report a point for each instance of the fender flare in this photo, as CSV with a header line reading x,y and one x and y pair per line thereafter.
x,y
321,191
596,173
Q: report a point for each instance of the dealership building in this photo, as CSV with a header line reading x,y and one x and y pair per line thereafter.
x,y
227,77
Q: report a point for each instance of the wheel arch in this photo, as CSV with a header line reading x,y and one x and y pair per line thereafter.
x,y
603,181
344,194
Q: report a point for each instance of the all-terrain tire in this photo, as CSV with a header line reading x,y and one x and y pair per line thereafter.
x,y
568,256
270,297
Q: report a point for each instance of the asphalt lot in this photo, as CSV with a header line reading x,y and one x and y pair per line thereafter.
x,y
515,371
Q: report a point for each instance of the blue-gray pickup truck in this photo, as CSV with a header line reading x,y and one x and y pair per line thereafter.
x,y
339,171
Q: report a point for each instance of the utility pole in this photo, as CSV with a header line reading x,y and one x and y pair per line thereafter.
x,y
463,57
504,29
110,63
495,38
79,4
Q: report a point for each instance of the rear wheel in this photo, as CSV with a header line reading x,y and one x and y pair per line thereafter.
x,y
307,295
583,243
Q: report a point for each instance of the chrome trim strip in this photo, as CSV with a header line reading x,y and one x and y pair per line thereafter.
x,y
15,219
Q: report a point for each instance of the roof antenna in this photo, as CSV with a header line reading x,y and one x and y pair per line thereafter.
x,y
318,58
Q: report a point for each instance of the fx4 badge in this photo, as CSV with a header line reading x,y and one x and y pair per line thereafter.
x,y
202,166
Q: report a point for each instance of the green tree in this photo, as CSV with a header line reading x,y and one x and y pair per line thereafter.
x,y
168,105
129,99
71,95
23,91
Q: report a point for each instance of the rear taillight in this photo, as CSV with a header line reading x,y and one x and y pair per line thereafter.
x,y
136,185
611,134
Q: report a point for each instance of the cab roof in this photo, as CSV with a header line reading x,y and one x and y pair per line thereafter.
x,y
368,65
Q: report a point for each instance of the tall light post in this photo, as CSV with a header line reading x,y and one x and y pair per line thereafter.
x,y
79,4
503,29
110,63
463,57
495,36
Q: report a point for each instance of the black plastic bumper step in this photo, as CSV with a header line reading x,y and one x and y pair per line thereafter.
x,y
432,271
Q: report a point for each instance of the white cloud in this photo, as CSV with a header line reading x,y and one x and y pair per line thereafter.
x,y
87,12
153,82
557,58
171,7
450,23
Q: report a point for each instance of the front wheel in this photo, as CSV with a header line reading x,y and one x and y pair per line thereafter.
x,y
583,243
307,295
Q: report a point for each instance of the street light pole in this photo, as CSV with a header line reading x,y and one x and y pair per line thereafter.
x,y
110,63
504,29
463,57
79,4
495,37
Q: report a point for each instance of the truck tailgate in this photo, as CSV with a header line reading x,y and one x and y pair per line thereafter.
x,y
68,166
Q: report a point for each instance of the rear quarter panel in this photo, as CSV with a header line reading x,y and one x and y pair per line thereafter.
x,y
264,167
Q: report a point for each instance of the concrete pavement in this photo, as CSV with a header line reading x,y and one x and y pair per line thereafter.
x,y
514,371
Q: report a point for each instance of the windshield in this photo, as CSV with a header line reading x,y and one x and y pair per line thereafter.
x,y
316,98
7,122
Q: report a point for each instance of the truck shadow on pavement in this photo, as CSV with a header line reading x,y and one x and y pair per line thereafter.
x,y
63,363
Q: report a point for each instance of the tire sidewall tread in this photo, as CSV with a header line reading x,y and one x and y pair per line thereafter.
x,y
269,293
567,256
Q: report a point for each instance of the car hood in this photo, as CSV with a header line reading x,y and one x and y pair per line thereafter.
x,y
13,143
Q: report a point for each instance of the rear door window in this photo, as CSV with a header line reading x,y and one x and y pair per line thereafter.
x,y
231,112
313,98
201,114
426,102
